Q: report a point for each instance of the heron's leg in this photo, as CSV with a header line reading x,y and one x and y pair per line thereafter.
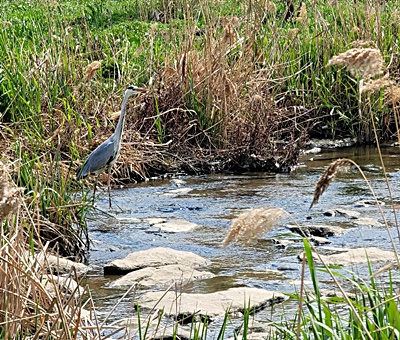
x,y
94,188
109,186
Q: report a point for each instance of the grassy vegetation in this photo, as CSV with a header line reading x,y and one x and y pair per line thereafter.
x,y
235,86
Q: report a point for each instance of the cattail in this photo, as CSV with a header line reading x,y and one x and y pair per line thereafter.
x,y
363,62
91,70
250,225
302,17
340,165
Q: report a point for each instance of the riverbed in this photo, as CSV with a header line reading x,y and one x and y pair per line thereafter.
x,y
213,201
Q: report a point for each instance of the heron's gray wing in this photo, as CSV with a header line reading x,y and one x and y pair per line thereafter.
x,y
99,159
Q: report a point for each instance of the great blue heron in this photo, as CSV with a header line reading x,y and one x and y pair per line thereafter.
x,y
106,154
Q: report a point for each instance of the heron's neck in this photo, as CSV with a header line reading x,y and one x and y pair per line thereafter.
x,y
121,120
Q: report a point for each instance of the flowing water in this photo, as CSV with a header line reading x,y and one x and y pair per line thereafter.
x,y
212,201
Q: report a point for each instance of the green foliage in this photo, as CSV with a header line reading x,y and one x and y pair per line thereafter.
x,y
370,313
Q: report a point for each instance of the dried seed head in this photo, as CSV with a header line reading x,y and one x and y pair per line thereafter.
x,y
256,102
250,225
363,62
9,195
229,30
363,44
377,84
91,70
302,17
229,33
293,33
392,95
270,7
340,165
115,115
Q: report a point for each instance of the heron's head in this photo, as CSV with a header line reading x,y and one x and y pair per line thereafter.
x,y
135,90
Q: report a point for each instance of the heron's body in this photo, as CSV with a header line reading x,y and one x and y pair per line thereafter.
x,y
102,158
106,154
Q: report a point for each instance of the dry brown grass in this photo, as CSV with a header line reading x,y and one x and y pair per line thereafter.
x,y
302,17
91,70
35,302
215,110
250,225
10,196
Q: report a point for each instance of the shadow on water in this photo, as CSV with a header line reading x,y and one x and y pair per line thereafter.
x,y
212,202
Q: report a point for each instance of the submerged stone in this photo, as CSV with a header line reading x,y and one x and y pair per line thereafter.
x,y
154,257
320,230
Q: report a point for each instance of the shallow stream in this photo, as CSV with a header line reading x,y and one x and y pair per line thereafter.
x,y
212,201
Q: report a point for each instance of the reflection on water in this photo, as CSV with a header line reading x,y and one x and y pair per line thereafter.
x,y
212,202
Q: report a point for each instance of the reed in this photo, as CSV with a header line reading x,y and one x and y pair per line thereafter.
x,y
35,303
250,225
338,166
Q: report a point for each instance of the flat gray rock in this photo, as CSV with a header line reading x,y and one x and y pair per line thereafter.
x,y
368,203
213,304
345,256
67,285
348,213
161,276
154,257
60,265
176,226
179,191
320,230
367,221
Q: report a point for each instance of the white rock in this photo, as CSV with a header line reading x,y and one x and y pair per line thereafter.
x,y
178,191
155,220
165,275
154,257
357,255
66,285
348,213
60,265
176,226
214,304
367,221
